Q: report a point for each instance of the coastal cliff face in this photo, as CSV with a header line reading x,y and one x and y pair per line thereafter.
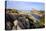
x,y
15,20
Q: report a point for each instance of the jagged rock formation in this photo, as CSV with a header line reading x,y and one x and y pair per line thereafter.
x,y
16,21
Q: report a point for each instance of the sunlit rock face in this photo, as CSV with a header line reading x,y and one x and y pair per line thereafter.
x,y
15,21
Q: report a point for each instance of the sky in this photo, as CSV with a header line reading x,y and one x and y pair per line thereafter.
x,y
21,5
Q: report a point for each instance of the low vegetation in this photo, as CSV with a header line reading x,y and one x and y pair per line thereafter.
x,y
30,24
